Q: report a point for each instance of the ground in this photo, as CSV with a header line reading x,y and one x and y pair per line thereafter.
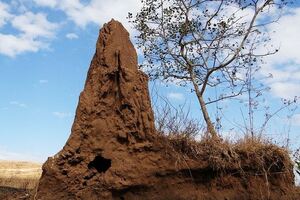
x,y
18,179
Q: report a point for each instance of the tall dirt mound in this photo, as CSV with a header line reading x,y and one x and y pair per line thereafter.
x,y
114,153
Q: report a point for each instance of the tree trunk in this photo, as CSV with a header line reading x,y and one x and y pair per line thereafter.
x,y
210,127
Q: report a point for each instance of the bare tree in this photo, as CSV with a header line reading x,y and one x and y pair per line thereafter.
x,y
205,44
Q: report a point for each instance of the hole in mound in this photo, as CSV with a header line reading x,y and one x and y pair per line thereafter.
x,y
100,164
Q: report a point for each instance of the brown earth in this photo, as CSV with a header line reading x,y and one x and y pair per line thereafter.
x,y
8,193
114,151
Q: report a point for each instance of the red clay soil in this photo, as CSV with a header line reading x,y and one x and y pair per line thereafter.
x,y
114,151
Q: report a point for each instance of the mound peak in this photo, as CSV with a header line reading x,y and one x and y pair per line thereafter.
x,y
113,119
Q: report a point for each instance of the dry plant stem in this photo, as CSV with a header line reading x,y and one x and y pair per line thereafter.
x,y
267,182
172,121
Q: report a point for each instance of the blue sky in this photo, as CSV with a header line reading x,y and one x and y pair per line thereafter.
x,y
45,50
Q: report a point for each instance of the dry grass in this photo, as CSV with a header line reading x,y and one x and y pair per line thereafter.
x,y
245,158
255,155
23,175
248,154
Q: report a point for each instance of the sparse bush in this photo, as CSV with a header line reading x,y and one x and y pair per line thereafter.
x,y
172,121
255,155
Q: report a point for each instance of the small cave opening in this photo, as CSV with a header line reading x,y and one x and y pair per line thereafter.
x,y
100,163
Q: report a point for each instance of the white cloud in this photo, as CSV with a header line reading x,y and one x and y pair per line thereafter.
x,y
47,3
4,14
12,45
62,115
16,103
175,96
33,30
95,11
72,36
30,30
285,65
43,81
286,36
34,25
285,89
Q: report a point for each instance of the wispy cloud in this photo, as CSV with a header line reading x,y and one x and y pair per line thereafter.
x,y
34,25
4,14
176,96
284,66
12,45
43,81
18,104
296,120
47,3
72,36
4,108
5,155
62,115
13,156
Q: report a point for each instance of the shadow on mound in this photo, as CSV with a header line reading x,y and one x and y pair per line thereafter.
x,y
100,164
